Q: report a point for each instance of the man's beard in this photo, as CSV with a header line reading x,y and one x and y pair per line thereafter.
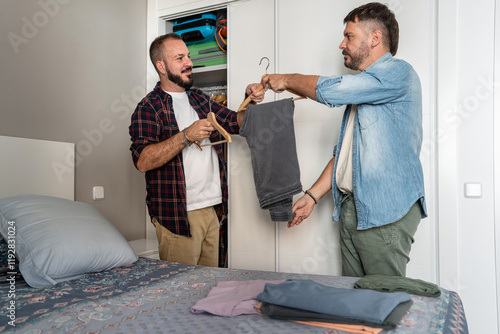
x,y
177,79
358,57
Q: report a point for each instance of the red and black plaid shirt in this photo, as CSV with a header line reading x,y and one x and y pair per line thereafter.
x,y
154,121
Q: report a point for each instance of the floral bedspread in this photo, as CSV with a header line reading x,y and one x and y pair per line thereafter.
x,y
153,296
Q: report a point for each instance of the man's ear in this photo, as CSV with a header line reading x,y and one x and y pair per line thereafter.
x,y
376,38
160,66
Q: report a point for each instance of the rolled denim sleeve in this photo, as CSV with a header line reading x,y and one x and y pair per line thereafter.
x,y
324,88
376,85
335,91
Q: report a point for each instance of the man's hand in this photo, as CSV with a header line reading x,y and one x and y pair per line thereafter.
x,y
302,209
199,130
276,82
299,84
256,94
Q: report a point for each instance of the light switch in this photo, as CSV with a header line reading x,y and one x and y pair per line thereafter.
x,y
98,193
473,190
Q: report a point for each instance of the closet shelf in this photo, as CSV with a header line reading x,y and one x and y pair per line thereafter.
x,y
210,75
222,67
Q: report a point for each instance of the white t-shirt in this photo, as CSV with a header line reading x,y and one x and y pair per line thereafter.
x,y
201,168
344,163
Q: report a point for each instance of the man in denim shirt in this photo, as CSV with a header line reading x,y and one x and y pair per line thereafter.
x,y
375,173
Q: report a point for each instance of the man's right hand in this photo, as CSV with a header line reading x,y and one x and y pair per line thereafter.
x,y
199,130
277,82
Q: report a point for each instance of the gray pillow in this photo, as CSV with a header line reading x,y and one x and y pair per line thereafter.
x,y
58,240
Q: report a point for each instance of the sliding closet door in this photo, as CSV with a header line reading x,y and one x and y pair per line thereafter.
x,y
307,42
300,38
251,37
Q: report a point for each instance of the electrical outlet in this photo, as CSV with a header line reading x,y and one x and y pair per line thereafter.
x,y
473,190
98,193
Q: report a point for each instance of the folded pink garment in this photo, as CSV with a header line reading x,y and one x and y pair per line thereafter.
x,y
232,298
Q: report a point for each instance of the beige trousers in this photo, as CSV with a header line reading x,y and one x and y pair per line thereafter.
x,y
202,248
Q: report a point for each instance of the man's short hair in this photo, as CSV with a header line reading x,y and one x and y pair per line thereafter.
x,y
156,49
382,18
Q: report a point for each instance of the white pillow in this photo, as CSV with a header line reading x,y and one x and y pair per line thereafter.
x,y
58,240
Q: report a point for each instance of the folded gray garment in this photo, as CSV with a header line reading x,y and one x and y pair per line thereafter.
x,y
397,283
287,313
312,296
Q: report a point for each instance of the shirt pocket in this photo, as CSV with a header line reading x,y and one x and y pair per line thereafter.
x,y
367,117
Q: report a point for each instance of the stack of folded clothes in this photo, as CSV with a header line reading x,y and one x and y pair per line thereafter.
x,y
376,302
352,310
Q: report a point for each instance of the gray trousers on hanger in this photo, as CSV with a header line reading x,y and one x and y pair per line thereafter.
x,y
269,131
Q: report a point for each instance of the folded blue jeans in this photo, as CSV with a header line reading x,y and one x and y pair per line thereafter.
x,y
269,131
308,295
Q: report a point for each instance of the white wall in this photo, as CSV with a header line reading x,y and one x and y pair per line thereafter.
x,y
472,119
465,141
496,145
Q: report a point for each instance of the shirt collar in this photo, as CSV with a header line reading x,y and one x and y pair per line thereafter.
x,y
385,57
162,92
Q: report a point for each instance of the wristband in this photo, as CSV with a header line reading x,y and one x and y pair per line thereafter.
x,y
187,142
309,193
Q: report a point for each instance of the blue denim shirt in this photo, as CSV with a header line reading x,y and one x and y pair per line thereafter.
x,y
387,173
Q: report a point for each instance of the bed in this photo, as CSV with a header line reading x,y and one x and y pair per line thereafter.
x,y
153,296
65,278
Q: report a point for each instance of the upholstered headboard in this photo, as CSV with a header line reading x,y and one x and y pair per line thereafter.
x,y
41,167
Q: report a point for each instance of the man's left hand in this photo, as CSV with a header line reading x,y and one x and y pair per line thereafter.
x,y
256,95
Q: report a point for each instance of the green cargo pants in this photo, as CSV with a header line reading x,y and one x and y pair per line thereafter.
x,y
381,250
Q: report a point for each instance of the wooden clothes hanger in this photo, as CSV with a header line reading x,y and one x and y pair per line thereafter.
x,y
211,116
218,127
245,103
